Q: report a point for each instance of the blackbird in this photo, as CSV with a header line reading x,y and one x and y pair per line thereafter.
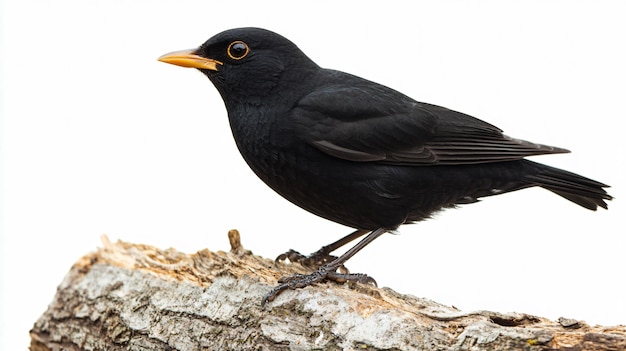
x,y
359,153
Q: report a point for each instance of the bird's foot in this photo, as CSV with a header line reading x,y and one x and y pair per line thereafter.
x,y
312,261
325,272
333,270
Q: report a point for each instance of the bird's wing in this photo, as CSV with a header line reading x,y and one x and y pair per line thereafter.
x,y
368,122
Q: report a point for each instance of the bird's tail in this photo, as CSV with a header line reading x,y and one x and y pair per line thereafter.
x,y
583,191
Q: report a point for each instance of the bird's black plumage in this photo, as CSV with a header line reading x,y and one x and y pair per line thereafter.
x,y
357,152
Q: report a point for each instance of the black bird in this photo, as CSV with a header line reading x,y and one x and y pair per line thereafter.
x,y
357,152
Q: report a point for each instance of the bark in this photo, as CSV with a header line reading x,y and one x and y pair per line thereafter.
x,y
137,297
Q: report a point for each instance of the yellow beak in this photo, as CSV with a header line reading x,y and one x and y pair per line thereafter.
x,y
187,58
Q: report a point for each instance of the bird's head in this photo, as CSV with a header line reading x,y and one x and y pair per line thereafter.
x,y
246,63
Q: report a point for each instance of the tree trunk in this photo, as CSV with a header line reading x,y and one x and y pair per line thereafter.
x,y
136,297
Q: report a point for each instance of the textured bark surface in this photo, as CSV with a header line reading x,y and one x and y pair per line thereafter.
x,y
137,297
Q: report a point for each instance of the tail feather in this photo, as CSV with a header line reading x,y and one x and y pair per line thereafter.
x,y
586,202
583,191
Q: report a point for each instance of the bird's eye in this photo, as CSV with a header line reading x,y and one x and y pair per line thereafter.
x,y
238,50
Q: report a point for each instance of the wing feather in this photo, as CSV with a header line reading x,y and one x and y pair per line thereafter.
x,y
362,121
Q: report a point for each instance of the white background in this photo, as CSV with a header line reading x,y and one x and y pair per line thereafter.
x,y
99,137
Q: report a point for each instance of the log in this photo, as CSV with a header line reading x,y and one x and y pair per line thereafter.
x,y
137,297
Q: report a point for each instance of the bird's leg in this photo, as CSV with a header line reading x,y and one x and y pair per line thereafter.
x,y
328,271
321,256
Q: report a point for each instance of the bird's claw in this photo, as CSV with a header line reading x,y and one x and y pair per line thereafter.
x,y
298,281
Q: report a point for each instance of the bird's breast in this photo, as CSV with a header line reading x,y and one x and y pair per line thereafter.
x,y
258,136
321,184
